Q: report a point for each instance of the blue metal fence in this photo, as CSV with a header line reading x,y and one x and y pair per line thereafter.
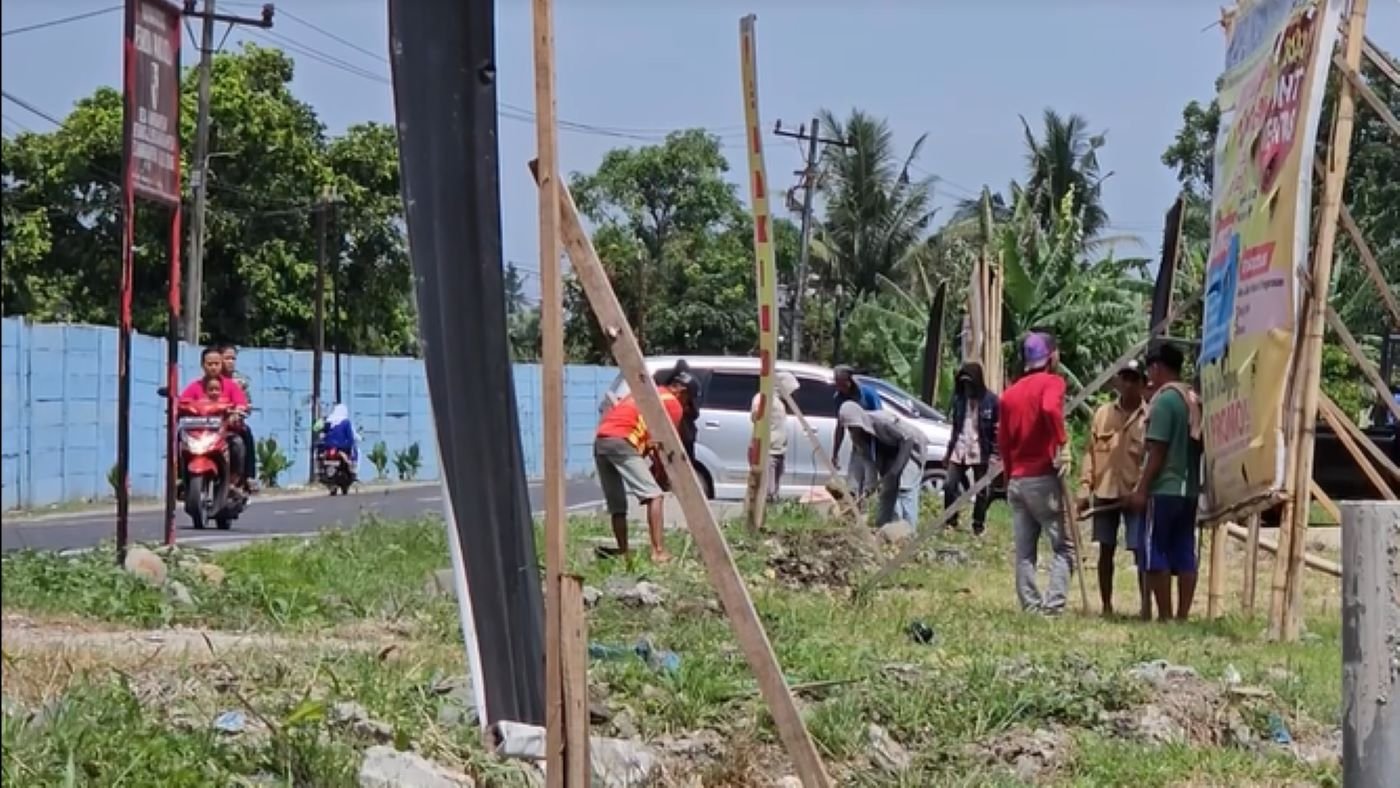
x,y
58,424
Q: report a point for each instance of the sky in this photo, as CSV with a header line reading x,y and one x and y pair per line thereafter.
x,y
961,71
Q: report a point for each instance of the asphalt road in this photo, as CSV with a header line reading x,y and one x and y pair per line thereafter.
x,y
267,517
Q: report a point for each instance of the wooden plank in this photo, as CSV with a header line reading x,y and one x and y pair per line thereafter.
x,y
1368,370
1251,566
1325,501
552,374
1270,546
1382,62
1215,583
1364,441
1306,384
845,502
1358,83
574,645
994,472
709,540
1340,423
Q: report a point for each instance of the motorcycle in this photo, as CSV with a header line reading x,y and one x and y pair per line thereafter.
x,y
334,469
205,484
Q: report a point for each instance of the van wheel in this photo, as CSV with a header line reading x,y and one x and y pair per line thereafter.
x,y
933,480
706,483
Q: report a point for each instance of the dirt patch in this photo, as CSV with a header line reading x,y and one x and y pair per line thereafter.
x,y
1031,754
826,558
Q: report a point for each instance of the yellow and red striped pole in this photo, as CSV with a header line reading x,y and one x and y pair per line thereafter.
x,y
766,275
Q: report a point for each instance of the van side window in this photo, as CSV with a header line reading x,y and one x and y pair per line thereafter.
x,y
816,398
730,391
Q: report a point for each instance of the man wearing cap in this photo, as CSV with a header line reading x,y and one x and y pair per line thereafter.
x,y
862,473
1112,465
619,451
1034,452
898,448
1168,490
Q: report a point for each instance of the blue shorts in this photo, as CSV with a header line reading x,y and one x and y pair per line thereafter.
x,y
1170,537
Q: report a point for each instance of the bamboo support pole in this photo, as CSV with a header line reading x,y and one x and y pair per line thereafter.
x,y
1340,423
1368,257
1286,604
1382,63
1215,588
1362,440
1358,84
1325,501
1251,566
1270,546
1368,370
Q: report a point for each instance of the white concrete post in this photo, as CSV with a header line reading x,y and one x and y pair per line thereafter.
x,y
1370,644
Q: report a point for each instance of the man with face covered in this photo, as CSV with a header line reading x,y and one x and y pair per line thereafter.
x,y
862,472
896,445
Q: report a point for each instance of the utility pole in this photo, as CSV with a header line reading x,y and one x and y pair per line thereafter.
x,y
809,183
337,337
318,329
199,180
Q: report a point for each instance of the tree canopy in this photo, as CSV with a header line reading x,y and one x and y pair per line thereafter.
x,y
270,161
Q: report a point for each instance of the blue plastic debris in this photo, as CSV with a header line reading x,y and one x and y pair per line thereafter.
x,y
1278,730
658,659
231,722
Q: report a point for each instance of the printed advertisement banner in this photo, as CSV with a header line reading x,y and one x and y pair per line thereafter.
x,y
1270,102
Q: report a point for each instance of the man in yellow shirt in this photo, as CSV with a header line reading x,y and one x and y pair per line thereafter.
x,y
1110,472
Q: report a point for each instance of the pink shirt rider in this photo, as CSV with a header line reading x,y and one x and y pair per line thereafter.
x,y
233,392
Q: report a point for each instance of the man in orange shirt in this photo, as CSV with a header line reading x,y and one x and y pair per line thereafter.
x,y
619,450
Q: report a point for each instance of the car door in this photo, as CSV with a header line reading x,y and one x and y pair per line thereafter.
x,y
726,428
816,397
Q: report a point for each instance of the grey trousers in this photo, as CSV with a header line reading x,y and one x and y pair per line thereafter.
x,y
1036,506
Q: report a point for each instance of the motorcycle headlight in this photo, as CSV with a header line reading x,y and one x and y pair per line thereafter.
x,y
200,444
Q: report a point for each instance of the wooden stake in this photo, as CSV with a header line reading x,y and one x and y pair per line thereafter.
x,y
913,546
1251,567
1076,537
1364,90
845,503
1269,546
709,540
1325,501
1362,439
1340,423
1368,370
1287,609
552,357
1215,594
574,646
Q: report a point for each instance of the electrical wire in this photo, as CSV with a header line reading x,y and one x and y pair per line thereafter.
x,y
61,21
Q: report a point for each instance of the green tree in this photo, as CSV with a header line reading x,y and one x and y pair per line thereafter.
x,y
678,247
1063,163
270,160
876,213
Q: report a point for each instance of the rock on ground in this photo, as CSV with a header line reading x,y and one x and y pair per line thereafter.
x,y
180,594
385,767
896,533
442,583
620,763
146,565
638,592
211,574
886,753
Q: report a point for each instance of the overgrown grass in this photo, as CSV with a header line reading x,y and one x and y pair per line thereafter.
x,y
991,670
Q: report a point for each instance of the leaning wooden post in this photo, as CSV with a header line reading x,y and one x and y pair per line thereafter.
x,y
765,281
1370,644
1251,566
709,539
552,356
1306,382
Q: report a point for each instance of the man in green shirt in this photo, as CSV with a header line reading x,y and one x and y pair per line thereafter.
x,y
1170,484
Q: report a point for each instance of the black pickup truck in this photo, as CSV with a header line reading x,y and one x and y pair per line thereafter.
x,y
1334,469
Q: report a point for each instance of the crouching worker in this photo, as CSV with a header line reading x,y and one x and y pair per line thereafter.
x,y
619,450
898,449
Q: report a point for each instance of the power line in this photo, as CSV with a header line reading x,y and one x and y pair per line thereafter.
x,y
33,110
62,21
332,36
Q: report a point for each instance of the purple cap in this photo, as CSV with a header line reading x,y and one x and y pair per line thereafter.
x,y
1036,350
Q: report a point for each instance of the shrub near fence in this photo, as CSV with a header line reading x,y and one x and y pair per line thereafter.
x,y
58,425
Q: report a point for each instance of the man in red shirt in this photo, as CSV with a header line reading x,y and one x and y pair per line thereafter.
x,y
1034,452
619,450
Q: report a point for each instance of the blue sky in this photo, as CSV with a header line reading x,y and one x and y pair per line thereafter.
x,y
961,70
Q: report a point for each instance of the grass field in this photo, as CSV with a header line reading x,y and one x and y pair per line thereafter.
x,y
109,681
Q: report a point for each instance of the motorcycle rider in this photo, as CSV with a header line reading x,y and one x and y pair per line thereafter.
x,y
337,432
211,362
250,460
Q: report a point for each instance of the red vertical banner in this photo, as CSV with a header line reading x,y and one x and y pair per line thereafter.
x,y
150,170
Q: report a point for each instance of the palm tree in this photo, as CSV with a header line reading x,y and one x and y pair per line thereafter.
x,y
1064,161
876,212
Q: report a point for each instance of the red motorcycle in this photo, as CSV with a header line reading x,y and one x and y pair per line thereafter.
x,y
206,485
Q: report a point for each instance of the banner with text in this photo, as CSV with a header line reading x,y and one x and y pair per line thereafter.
x,y
1270,101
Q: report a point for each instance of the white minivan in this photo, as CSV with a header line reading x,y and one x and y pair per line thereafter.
x,y
728,385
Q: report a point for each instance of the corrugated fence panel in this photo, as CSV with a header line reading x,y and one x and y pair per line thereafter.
x,y
59,426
